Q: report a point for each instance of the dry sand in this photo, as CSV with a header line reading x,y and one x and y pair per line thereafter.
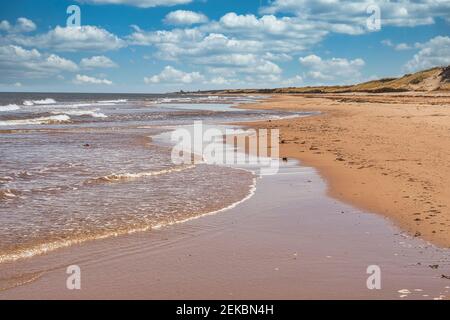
x,y
385,153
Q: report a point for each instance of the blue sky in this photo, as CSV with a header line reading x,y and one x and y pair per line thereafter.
x,y
169,45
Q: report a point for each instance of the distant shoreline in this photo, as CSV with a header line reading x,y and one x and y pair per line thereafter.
x,y
434,79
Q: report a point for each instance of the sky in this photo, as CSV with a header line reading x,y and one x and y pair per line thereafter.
x,y
152,46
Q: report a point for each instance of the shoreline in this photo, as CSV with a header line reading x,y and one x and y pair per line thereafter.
x,y
357,143
288,241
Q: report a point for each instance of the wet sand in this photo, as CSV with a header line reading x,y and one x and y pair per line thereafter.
x,y
288,241
384,153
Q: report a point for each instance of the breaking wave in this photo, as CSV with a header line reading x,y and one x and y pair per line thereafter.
x,y
62,118
39,102
9,107
92,113
111,178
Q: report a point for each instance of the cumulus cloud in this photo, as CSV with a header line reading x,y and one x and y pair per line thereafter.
x,y
83,79
97,62
251,46
174,76
17,62
241,33
220,81
293,81
139,3
397,47
338,70
244,47
353,13
268,23
242,64
290,32
433,53
184,17
183,43
5,25
22,25
89,38
402,46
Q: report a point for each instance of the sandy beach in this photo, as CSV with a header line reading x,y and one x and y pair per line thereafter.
x,y
290,239
384,153
250,151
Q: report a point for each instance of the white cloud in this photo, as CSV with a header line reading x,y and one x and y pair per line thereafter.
x,y
277,56
245,62
219,81
278,30
17,62
83,79
25,25
172,75
397,47
250,66
353,13
97,62
433,53
55,61
89,38
5,25
268,23
237,46
183,17
182,43
22,25
294,81
402,46
337,70
139,3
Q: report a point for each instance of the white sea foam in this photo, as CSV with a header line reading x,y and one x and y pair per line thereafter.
x,y
113,101
130,176
92,113
9,107
51,246
43,120
39,102
171,100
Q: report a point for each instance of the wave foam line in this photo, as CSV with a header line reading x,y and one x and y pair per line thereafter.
x,y
39,102
92,113
55,245
132,176
9,107
44,120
